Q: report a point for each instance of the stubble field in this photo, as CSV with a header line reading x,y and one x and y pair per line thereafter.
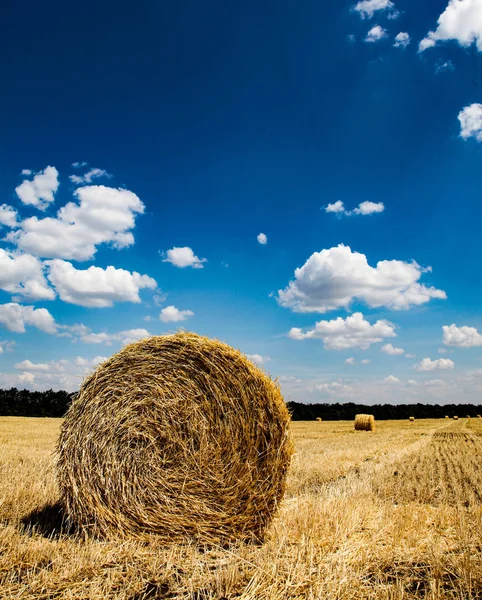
x,y
391,514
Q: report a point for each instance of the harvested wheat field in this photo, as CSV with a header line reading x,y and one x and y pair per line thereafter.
x,y
390,514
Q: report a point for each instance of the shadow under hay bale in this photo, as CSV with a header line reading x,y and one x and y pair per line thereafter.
x,y
364,423
48,521
179,436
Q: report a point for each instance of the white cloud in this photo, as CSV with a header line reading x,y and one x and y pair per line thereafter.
x,y
23,274
390,349
8,216
184,257
6,346
79,165
262,239
336,390
39,191
333,278
171,314
84,334
432,365
462,337
366,361
26,378
103,215
391,379
376,34
133,335
96,287
353,332
367,8
410,355
258,358
15,317
336,207
425,44
26,172
89,176
350,361
443,66
470,119
461,21
369,208
364,208
30,366
402,40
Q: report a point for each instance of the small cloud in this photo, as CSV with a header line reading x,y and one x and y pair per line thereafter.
x,y
40,191
390,349
366,361
391,379
433,365
402,40
337,207
79,165
184,257
461,337
470,119
26,172
367,8
171,314
410,355
376,34
425,44
350,361
89,176
258,358
369,208
443,66
262,239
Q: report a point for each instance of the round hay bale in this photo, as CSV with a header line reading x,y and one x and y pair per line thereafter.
x,y
364,423
411,419
179,436
319,419
447,417
456,418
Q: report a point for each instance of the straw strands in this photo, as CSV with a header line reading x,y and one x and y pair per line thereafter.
x,y
364,423
180,436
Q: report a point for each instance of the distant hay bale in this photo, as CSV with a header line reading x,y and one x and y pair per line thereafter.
x,y
468,416
479,417
456,418
319,419
447,417
411,418
180,436
364,423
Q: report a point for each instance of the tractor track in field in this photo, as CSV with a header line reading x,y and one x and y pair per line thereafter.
x,y
445,471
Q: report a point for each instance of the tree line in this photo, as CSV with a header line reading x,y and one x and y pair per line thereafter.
x,y
23,403
382,412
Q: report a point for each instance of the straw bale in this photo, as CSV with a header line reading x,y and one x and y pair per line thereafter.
x,y
364,422
180,436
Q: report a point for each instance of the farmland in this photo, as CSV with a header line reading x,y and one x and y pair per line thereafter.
x,y
392,514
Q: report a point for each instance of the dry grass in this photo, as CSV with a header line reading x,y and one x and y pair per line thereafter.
x,y
178,435
349,527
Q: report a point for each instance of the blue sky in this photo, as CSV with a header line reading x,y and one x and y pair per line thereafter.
x,y
146,147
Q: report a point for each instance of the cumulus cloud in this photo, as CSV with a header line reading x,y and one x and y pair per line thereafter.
x,y
23,275
433,365
353,332
402,40
184,257
333,278
350,361
40,191
15,317
89,176
364,208
390,349
461,21
262,239
171,314
81,332
258,358
391,379
376,34
103,215
470,119
367,8
96,287
8,216
462,337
